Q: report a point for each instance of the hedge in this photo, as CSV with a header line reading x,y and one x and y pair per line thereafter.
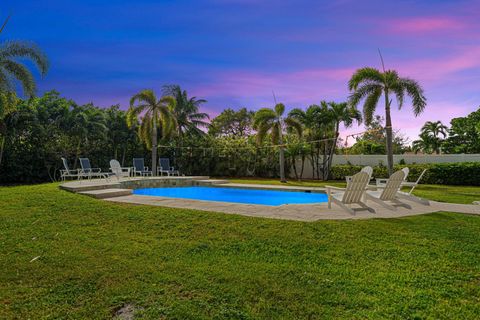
x,y
461,173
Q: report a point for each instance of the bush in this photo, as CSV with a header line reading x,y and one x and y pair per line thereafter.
x,y
461,173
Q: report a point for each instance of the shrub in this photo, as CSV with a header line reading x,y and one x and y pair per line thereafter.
x,y
461,173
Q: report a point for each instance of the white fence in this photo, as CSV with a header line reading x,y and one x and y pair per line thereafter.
x,y
375,160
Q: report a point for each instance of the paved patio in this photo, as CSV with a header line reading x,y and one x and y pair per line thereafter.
x,y
301,212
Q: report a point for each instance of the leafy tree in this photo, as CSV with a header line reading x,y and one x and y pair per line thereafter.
x,y
271,120
154,113
119,134
186,111
370,84
232,123
464,134
373,140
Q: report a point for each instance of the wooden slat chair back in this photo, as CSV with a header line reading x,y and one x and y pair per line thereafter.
x,y
393,185
356,188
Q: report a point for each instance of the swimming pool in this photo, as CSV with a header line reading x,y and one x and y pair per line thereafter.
x,y
235,195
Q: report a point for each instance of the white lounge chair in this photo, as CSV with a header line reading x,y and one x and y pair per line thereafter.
x,y
352,194
118,171
388,195
69,173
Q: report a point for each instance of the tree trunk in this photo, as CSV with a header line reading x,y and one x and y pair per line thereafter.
x,y
303,166
154,145
294,165
282,159
388,127
125,146
2,146
332,151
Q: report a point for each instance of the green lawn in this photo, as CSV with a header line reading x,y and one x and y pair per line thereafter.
x,y
453,194
95,256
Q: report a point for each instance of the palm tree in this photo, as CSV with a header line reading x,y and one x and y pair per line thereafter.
x,y
423,144
155,112
271,120
340,113
430,136
12,72
186,111
370,84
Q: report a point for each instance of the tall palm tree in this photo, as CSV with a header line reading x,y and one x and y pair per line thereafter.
x,y
370,84
12,71
187,111
340,113
271,121
154,113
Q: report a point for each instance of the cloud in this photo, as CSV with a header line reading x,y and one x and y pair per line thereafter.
x,y
425,25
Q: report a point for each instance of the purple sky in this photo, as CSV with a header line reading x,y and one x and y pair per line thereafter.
x,y
234,53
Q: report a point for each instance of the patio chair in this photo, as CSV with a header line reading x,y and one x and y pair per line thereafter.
x,y
352,194
118,171
413,184
139,167
366,169
381,183
89,172
67,172
388,195
164,167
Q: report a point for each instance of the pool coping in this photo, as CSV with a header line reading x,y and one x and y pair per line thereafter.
x,y
299,212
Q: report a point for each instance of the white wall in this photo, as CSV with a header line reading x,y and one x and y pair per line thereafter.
x,y
374,160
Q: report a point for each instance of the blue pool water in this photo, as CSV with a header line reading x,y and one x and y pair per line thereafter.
x,y
236,195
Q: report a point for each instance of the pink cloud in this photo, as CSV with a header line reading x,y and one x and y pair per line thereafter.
x,y
310,85
425,25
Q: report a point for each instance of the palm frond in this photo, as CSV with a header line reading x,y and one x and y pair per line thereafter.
x,y
146,96
21,49
415,92
365,75
371,104
20,73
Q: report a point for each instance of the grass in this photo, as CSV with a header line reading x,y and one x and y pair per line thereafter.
x,y
453,194
95,256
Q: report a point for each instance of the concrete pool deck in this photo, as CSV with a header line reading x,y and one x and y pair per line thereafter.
x,y
300,212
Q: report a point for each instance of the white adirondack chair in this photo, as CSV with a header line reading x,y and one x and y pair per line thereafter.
x,y
388,196
351,195
118,171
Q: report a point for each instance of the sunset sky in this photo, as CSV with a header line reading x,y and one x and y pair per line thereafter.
x,y
235,52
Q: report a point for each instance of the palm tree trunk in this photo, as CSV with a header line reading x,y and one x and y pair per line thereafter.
x,y
2,147
282,159
154,145
388,127
332,151
303,166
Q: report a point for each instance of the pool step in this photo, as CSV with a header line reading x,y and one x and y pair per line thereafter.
x,y
107,193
